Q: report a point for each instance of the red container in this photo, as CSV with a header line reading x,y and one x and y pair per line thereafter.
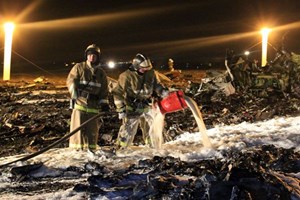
x,y
172,103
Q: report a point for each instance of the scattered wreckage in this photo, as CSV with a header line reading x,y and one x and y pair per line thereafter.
x,y
34,115
258,173
281,75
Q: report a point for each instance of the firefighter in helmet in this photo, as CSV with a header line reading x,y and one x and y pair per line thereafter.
x,y
88,87
171,64
133,100
172,73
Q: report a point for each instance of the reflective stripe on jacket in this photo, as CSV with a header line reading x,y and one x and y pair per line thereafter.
x,y
85,109
133,89
88,85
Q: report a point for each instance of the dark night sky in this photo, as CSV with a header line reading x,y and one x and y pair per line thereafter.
x,y
52,32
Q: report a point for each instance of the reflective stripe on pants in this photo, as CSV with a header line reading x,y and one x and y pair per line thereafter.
x,y
87,137
86,109
129,128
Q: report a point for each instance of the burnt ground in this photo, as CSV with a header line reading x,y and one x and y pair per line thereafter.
x,y
35,113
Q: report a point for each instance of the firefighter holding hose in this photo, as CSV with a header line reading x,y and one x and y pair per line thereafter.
x,y
133,96
88,86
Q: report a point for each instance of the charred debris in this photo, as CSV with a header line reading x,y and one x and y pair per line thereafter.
x,y
36,113
260,173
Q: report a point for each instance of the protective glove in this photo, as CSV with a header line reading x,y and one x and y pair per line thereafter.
x,y
122,115
104,107
164,93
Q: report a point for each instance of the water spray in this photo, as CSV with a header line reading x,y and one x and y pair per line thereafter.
x,y
177,101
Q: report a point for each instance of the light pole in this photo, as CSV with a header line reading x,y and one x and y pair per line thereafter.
x,y
247,53
8,30
265,32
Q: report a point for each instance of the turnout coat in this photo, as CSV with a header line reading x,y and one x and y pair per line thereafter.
x,y
133,96
88,88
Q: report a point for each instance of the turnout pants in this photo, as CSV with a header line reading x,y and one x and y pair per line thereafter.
x,y
87,137
130,126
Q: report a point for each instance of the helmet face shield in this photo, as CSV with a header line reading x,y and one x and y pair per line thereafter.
x,y
146,64
141,62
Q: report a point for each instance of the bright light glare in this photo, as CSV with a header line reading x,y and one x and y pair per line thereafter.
x,y
247,53
8,29
111,64
265,32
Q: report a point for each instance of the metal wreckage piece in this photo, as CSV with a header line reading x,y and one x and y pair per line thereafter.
x,y
281,75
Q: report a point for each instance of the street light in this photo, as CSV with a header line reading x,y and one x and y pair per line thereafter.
x,y
265,32
247,53
8,30
111,64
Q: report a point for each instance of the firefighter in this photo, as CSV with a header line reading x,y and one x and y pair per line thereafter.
x,y
171,64
133,100
172,73
88,87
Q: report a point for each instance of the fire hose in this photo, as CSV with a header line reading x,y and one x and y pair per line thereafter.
x,y
172,103
27,157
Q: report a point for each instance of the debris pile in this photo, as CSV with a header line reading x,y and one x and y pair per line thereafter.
x,y
259,173
245,175
33,115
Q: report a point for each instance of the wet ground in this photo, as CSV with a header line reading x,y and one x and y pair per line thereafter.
x,y
35,113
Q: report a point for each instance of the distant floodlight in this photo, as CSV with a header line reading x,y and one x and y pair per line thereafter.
x,y
111,64
265,33
8,29
247,53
